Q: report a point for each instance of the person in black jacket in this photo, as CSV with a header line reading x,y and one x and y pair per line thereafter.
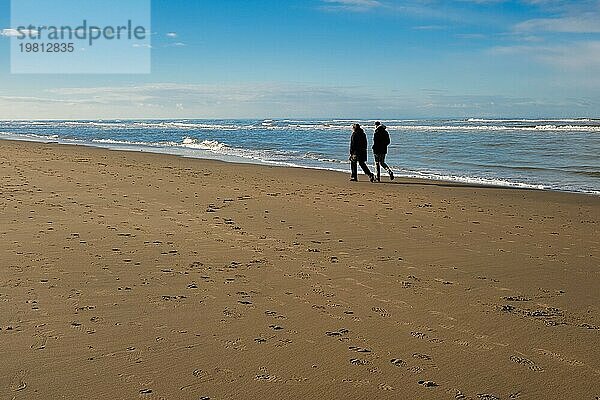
x,y
358,153
381,141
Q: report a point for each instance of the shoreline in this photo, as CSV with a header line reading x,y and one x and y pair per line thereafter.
x,y
129,274
230,159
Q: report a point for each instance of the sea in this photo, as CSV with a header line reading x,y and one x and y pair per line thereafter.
x,y
548,154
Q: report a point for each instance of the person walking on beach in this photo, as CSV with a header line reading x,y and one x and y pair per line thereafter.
x,y
358,153
381,141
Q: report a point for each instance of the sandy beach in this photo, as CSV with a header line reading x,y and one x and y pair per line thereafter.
x,y
130,275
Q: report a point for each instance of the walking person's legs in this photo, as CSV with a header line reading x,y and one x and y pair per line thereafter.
x,y
381,161
389,170
367,171
354,167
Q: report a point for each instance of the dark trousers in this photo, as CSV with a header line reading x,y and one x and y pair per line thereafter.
x,y
380,162
363,165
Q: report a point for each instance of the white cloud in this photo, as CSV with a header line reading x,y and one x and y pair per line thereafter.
x,y
585,23
175,100
172,35
429,27
504,106
470,36
584,55
167,100
355,3
40,100
351,5
563,16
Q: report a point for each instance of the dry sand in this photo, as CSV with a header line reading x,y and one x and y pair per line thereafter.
x,y
131,275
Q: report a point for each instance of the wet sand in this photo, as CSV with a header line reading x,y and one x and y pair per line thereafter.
x,y
130,275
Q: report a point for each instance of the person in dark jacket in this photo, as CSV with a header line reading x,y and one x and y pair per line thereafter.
x,y
358,153
381,141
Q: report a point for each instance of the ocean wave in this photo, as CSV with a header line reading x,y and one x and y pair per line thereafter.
x,y
130,142
276,157
211,145
472,180
593,174
322,158
483,128
494,182
30,136
566,120
546,125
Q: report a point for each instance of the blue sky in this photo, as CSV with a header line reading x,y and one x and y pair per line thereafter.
x,y
340,59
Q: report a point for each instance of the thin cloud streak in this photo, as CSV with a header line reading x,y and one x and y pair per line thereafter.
x,y
584,55
351,5
587,23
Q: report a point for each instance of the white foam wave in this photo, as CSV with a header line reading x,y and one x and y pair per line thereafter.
x,y
470,125
219,148
321,158
470,128
126,142
211,145
533,121
470,180
29,136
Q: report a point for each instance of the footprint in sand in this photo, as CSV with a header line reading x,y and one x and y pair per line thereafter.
x,y
385,387
231,313
337,333
202,376
593,327
422,356
359,349
560,358
284,342
356,361
266,378
419,335
428,384
526,362
381,311
416,369
397,362
458,395
17,382
486,396
275,315
39,343
516,298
